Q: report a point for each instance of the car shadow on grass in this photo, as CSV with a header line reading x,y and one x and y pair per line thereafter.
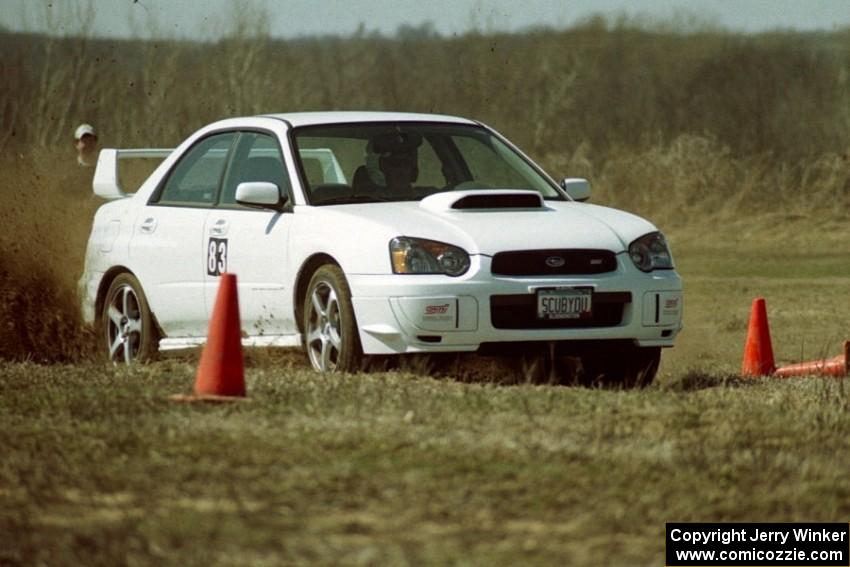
x,y
472,368
506,371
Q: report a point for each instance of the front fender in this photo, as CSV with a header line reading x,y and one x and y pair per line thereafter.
x,y
360,246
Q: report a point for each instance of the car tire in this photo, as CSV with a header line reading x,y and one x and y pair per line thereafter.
x,y
622,367
127,326
331,338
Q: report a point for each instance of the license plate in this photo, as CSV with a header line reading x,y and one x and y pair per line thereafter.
x,y
564,303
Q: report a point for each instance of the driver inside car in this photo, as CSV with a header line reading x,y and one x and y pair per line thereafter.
x,y
392,164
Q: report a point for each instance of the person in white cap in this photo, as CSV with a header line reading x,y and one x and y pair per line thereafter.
x,y
85,140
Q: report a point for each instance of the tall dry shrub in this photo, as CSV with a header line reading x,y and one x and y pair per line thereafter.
x,y
698,180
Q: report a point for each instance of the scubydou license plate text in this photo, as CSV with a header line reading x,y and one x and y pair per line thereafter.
x,y
563,304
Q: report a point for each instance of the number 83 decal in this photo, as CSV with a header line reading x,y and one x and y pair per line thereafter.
x,y
216,256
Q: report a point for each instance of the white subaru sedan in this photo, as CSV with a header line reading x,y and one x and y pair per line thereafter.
x,y
356,233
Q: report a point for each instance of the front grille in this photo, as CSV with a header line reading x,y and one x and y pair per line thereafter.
x,y
553,262
520,312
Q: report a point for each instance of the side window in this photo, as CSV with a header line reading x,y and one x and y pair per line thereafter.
x,y
195,179
257,158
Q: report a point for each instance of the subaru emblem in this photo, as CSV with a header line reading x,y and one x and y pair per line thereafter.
x,y
555,261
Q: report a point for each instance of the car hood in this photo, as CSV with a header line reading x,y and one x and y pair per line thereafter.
x,y
557,224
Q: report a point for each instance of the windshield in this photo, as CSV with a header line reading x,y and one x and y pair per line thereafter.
x,y
404,161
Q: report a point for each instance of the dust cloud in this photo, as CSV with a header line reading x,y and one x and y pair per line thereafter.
x,y
45,219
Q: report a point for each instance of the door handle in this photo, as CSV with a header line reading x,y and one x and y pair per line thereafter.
x,y
148,225
219,228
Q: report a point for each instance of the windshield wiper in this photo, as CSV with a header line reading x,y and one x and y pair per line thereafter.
x,y
351,199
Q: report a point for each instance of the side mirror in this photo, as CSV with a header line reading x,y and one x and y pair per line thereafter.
x,y
260,194
577,188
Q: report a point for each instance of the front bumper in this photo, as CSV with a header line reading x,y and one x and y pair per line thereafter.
x,y
430,313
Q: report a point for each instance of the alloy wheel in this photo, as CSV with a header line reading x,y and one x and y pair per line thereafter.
x,y
124,325
324,337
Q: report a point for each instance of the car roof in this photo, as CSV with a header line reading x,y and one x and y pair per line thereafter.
x,y
341,117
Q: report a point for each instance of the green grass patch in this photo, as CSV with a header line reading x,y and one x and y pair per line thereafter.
x,y
774,264
803,274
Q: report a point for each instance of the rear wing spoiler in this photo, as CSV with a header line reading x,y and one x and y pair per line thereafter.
x,y
105,183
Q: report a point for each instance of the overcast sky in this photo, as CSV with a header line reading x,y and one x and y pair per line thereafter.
x,y
208,19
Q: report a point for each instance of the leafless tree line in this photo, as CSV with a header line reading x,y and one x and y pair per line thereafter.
x,y
708,114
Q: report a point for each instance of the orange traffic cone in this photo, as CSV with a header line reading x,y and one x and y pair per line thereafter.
x,y
758,351
221,375
837,366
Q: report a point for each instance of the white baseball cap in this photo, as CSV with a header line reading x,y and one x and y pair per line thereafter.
x,y
82,130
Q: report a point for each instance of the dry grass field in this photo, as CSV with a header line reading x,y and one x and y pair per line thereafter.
x,y
734,145
399,468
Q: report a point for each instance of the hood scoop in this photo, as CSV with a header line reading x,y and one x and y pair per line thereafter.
x,y
481,200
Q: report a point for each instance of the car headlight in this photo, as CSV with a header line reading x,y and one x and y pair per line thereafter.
x,y
420,256
650,252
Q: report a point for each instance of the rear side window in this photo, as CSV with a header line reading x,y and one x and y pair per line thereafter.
x,y
195,179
